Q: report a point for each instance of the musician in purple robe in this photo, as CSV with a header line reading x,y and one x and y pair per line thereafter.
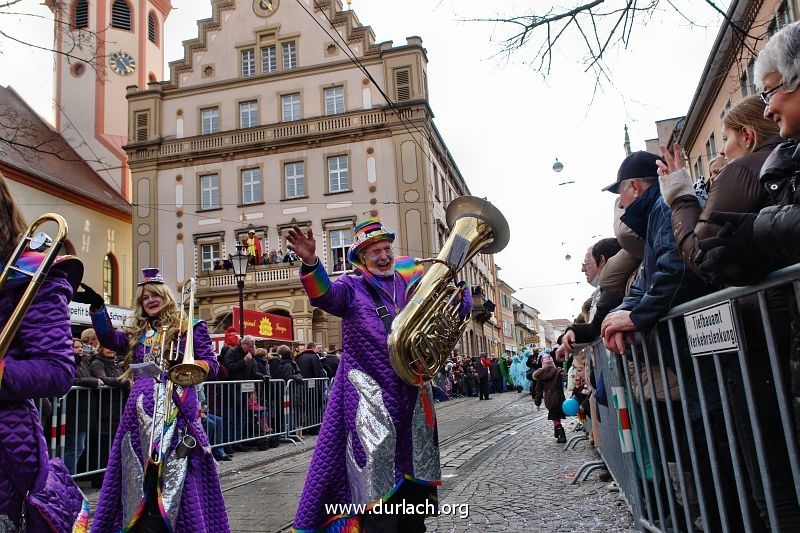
x,y
37,364
378,441
190,497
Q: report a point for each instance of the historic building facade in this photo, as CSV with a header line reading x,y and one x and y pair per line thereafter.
x,y
266,123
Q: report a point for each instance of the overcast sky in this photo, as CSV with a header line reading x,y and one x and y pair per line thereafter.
x,y
503,122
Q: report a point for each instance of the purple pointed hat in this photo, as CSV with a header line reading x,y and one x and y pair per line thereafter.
x,y
151,275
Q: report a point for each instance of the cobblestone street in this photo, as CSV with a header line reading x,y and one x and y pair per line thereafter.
x,y
498,456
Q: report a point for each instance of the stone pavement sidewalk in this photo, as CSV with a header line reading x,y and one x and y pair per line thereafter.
x,y
515,477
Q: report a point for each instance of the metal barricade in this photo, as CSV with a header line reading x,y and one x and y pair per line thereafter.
x,y
305,404
699,430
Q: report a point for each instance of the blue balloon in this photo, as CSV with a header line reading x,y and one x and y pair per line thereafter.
x,y
570,407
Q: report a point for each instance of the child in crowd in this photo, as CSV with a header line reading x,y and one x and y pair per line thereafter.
x,y
550,384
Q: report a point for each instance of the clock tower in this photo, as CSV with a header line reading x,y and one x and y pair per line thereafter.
x,y
103,47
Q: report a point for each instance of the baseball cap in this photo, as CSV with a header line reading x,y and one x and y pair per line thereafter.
x,y
639,164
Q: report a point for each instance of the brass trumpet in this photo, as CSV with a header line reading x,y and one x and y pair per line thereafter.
x,y
34,241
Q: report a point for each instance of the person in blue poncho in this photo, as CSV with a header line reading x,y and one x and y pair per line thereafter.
x,y
518,370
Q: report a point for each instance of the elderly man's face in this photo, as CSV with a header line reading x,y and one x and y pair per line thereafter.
x,y
589,267
378,258
784,107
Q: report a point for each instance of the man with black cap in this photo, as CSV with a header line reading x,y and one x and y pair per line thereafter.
x,y
664,280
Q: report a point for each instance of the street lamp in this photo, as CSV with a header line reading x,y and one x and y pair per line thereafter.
x,y
239,260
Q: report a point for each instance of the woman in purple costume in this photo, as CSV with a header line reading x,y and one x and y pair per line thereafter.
x,y
190,498
378,441
38,364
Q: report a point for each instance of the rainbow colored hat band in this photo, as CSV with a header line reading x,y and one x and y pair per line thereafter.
x,y
365,233
151,275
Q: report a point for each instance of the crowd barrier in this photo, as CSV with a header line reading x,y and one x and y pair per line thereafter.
x,y
699,431
80,426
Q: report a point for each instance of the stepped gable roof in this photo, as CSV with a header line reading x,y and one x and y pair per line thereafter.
x,y
32,146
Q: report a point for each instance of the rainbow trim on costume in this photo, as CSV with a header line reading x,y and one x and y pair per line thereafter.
x,y
316,283
409,270
81,524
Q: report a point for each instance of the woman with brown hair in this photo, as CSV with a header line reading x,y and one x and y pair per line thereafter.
x,y
748,139
35,492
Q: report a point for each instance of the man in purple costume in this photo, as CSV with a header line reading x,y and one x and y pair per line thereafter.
x,y
375,443
190,497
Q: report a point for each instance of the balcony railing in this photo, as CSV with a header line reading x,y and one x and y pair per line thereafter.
x,y
274,133
259,275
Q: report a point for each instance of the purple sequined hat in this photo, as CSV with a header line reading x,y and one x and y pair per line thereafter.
x,y
151,275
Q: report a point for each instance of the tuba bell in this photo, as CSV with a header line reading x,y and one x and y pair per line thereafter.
x,y
429,326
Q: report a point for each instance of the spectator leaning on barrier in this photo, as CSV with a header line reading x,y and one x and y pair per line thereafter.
x,y
78,403
309,363
664,280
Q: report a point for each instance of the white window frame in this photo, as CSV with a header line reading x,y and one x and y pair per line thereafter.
x,y
251,185
248,57
334,100
294,175
340,241
338,173
248,114
289,55
269,60
291,107
208,256
209,120
209,191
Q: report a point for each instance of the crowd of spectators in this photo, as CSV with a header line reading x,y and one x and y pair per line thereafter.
x,y
678,238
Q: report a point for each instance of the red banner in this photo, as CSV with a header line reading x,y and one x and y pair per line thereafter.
x,y
265,325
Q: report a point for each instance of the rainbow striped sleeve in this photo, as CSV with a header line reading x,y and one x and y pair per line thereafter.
x,y
409,270
316,283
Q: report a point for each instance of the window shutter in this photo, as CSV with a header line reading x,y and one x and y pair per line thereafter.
x,y
151,27
81,14
142,126
402,84
121,15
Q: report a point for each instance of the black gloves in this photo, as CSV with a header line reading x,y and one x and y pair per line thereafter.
x,y
728,258
88,296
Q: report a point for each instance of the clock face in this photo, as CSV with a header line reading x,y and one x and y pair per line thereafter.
x,y
122,63
265,8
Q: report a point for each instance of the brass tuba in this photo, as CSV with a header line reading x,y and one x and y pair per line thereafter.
x,y
429,326
35,242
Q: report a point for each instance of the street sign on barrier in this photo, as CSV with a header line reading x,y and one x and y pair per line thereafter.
x,y
711,330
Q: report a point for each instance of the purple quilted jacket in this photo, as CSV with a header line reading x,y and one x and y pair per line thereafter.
x,y
38,364
374,435
199,505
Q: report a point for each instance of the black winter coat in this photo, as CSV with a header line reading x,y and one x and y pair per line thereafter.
x,y
309,364
238,369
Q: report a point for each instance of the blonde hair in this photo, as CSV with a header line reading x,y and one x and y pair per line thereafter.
x,y
749,113
139,321
87,334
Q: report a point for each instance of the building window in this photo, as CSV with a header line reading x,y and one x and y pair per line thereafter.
x,y
142,121
295,179
251,186
209,191
334,100
269,60
80,17
152,28
402,84
209,255
784,15
121,15
748,79
290,104
711,148
109,279
248,114
248,63
289,55
210,119
340,241
338,174
698,167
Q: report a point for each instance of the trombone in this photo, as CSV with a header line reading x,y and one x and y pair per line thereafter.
x,y
186,373
34,242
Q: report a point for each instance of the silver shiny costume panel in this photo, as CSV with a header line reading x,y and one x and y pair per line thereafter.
x,y
133,480
375,430
426,449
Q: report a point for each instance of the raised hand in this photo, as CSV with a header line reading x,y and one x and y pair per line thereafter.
x,y
89,296
674,160
302,244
